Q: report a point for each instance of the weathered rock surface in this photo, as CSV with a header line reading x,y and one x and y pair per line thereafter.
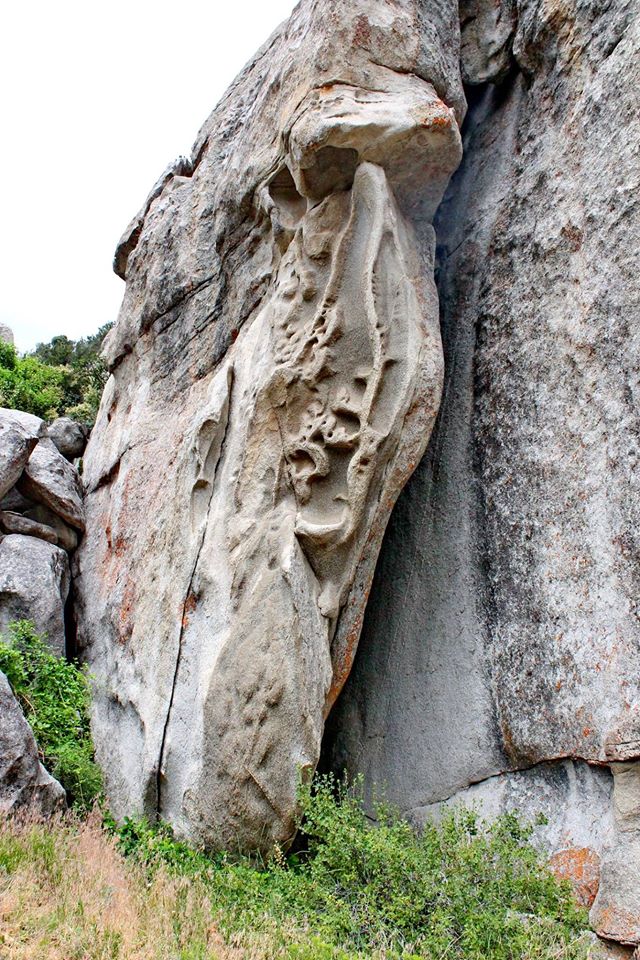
x,y
6,334
502,631
19,433
34,583
50,479
276,372
69,437
23,779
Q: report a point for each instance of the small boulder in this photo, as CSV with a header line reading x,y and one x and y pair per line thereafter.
x,y
23,779
69,437
34,583
67,536
50,479
17,523
19,434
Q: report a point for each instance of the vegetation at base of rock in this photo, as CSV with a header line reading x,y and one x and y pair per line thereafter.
x,y
80,887
54,695
61,378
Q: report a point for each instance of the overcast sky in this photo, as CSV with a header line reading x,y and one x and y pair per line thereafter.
x,y
95,99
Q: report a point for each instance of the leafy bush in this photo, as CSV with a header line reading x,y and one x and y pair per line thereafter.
x,y
27,384
462,889
54,695
61,378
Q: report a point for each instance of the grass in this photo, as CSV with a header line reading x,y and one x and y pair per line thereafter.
x,y
80,888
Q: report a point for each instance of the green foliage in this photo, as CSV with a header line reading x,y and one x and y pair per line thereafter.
x,y
54,695
60,378
27,384
462,889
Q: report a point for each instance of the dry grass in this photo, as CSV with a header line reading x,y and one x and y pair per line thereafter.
x,y
70,895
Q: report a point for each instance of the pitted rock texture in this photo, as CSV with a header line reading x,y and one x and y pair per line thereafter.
x,y
502,631
276,372
24,782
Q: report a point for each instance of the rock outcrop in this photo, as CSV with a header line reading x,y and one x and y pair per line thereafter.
x,y
275,375
502,644
41,517
24,782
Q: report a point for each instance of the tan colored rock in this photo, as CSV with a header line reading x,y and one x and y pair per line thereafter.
x,y
276,372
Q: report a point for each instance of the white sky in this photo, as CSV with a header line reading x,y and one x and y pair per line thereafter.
x,y
96,97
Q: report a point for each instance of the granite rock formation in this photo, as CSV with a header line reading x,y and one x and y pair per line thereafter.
x,y
41,517
500,656
275,374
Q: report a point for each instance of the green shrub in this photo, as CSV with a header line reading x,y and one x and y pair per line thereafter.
x,y
61,378
462,889
29,385
54,695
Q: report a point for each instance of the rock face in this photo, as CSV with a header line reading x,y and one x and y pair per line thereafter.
x,y
23,779
41,514
502,634
276,372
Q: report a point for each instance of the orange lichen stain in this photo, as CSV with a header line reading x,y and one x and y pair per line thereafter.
x,y
586,732
189,606
437,120
581,867
613,923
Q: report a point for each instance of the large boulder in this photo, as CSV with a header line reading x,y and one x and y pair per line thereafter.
x,y
34,583
275,375
50,479
19,434
24,782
